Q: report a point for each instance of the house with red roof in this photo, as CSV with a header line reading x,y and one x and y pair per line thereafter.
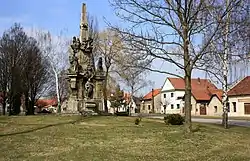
x,y
206,97
49,104
239,98
151,102
134,104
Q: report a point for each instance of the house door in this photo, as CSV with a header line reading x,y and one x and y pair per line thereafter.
x,y
247,108
203,110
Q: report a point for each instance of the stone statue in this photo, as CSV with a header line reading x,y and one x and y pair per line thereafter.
x,y
75,46
89,72
87,46
75,66
99,65
73,63
83,80
89,87
73,59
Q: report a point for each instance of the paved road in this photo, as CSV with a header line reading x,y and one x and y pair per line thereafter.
x,y
244,123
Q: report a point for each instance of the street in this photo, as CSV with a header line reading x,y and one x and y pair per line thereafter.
x,y
244,123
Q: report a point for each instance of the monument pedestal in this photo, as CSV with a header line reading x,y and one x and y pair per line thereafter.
x,y
85,92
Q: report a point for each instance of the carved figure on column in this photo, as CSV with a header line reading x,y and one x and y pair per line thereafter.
x,y
89,72
99,65
75,67
89,87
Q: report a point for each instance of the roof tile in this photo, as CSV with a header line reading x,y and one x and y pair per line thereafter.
x,y
202,89
149,95
241,88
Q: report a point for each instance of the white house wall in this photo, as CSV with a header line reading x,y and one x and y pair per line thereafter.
x,y
169,101
211,107
167,86
240,110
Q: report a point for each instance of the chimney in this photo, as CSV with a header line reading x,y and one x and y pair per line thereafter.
x,y
199,80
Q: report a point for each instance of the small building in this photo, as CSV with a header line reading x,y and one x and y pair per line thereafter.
x,y
151,102
49,104
127,102
205,100
239,98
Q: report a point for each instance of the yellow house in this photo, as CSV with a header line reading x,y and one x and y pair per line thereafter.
x,y
211,107
151,102
239,98
206,97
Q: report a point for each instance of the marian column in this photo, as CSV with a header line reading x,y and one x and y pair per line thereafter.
x,y
85,82
83,24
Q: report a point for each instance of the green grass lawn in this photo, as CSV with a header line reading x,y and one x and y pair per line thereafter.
x,y
55,138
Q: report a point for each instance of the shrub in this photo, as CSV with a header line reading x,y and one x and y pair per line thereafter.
x,y
137,121
174,119
121,113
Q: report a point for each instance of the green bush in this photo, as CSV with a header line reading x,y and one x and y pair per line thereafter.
x,y
174,119
137,121
121,113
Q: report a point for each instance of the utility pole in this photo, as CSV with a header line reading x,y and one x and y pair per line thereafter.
x,y
225,70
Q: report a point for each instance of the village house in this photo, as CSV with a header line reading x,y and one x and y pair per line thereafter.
x,y
151,102
205,100
239,98
134,104
49,104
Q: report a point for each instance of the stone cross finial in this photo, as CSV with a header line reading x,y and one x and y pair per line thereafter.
x,y
83,24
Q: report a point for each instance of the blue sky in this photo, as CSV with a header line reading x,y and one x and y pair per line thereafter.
x,y
52,15
56,15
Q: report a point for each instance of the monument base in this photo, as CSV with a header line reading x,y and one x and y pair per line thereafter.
x,y
70,106
76,106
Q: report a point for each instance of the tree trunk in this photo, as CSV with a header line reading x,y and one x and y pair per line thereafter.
x,y
105,92
4,106
16,104
57,92
32,104
30,110
225,74
4,103
188,124
153,103
26,100
188,71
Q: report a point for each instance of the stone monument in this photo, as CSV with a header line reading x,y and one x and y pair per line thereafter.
x,y
85,81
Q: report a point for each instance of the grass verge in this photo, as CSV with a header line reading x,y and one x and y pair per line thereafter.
x,y
117,138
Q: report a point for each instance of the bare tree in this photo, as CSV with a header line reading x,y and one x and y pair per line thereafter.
x,y
229,47
4,77
35,75
109,47
24,68
13,46
167,31
133,78
94,34
55,49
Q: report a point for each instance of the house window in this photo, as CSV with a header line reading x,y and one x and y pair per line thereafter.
x,y
172,106
164,95
234,106
172,94
228,106
148,107
178,106
164,106
215,109
143,107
